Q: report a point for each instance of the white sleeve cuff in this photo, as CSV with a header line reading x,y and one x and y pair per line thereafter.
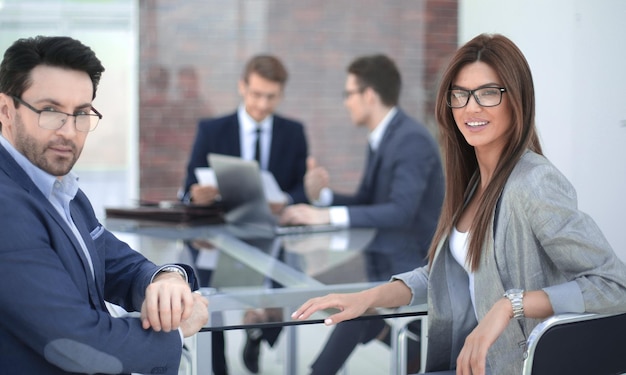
x,y
566,298
325,199
288,199
339,216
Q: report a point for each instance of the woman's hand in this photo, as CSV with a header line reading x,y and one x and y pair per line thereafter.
x,y
350,306
473,357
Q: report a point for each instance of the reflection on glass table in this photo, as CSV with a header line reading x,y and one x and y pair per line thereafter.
x,y
248,268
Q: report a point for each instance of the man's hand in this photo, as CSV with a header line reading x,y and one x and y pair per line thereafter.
x,y
168,302
203,194
304,214
315,179
277,207
198,318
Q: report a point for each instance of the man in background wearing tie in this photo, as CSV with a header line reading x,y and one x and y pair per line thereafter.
x,y
253,132
278,144
400,194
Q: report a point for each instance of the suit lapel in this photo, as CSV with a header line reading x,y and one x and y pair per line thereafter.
x,y
78,251
277,139
21,178
440,333
98,269
373,163
233,138
371,166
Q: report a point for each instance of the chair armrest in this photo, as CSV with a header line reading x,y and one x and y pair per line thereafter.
x,y
571,338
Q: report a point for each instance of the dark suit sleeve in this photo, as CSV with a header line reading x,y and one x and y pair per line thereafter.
x,y
51,307
296,191
288,157
198,158
409,171
220,136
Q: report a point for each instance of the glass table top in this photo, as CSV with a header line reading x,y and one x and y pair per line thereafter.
x,y
249,267
242,268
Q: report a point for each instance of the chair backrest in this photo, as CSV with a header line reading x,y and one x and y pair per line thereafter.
x,y
578,344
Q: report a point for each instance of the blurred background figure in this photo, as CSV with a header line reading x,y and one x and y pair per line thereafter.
x,y
190,99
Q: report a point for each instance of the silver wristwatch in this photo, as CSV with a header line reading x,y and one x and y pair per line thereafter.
x,y
176,269
516,297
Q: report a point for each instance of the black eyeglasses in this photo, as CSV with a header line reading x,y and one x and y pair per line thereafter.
x,y
349,93
484,96
52,120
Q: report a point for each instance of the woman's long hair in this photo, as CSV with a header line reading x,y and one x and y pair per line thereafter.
x,y
461,166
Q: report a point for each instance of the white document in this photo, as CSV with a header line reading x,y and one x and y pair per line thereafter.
x,y
273,194
206,176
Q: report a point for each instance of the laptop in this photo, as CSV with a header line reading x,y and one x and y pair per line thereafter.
x,y
244,200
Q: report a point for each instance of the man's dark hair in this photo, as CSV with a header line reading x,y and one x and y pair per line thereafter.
x,y
381,74
268,67
57,51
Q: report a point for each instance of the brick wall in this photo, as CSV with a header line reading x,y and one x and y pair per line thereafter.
x,y
316,40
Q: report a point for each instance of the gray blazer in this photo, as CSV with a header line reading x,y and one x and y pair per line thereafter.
x,y
541,241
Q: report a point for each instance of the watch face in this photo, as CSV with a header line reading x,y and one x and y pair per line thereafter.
x,y
514,291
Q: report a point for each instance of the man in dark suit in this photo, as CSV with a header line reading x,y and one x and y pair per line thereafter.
x,y
58,264
278,144
400,194
282,144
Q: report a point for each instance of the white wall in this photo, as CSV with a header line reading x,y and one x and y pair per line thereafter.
x,y
577,53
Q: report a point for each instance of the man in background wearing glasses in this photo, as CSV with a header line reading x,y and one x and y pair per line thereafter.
x,y
58,264
400,195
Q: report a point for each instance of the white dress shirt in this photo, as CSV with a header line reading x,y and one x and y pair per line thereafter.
x,y
459,246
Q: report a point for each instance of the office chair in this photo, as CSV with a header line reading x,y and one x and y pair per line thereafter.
x,y
578,344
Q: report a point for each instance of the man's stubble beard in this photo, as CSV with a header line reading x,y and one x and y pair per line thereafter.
x,y
34,152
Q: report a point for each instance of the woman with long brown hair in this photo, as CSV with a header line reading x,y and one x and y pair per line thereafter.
x,y
511,247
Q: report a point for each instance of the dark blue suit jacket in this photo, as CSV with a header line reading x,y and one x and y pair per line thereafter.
x,y
288,151
53,316
401,194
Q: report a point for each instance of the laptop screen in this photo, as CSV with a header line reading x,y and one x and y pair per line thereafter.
x,y
241,190
243,196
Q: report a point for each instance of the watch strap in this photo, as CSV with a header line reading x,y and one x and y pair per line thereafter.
x,y
516,297
173,268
